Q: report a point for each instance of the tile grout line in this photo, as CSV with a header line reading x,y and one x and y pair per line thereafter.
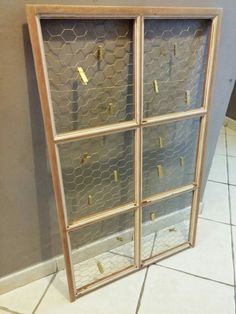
x,y
141,292
145,277
221,182
194,275
230,217
217,221
44,293
153,244
119,254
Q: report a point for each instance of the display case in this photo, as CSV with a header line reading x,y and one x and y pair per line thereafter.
x,y
125,94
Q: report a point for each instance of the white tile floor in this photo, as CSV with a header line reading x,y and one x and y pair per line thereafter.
x,y
196,281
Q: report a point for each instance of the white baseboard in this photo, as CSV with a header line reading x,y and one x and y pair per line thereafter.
x,y
230,123
27,275
49,267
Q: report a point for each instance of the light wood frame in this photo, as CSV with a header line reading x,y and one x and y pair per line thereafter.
x,y
34,13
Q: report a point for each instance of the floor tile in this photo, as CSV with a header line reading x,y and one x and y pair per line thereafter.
x,y
216,202
232,191
231,145
218,170
118,297
221,145
25,299
171,292
232,170
212,255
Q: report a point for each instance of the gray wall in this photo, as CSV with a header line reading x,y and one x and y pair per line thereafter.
x,y
28,226
231,111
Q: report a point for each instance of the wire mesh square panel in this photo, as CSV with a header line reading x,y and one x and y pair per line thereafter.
x,y
169,154
97,173
90,71
103,248
124,93
165,224
174,65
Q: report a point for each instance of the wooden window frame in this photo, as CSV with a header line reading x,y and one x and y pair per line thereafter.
x,y
138,14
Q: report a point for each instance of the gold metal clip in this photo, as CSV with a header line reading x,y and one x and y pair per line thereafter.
x,y
160,171
85,157
181,161
90,200
120,239
152,216
100,267
83,76
175,49
187,97
161,143
155,86
110,108
100,53
115,174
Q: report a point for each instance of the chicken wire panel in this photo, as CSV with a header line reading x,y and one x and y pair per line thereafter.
x,y
174,65
165,224
104,51
102,248
97,173
169,153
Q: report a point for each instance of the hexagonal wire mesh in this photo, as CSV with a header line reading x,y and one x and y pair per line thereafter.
x,y
104,50
169,154
165,224
103,248
98,173
174,65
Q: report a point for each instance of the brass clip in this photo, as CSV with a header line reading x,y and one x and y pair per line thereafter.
x,y
115,174
181,161
85,157
110,108
83,76
175,49
152,216
90,200
100,267
161,143
120,239
160,171
155,86
100,53
187,97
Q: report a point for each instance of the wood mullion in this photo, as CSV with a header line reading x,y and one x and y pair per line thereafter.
x,y
208,84
40,74
82,222
126,11
138,142
94,132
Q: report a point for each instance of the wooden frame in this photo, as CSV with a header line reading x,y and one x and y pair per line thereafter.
x,y
34,13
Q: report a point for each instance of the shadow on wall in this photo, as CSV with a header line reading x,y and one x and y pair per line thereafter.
x,y
49,233
231,111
